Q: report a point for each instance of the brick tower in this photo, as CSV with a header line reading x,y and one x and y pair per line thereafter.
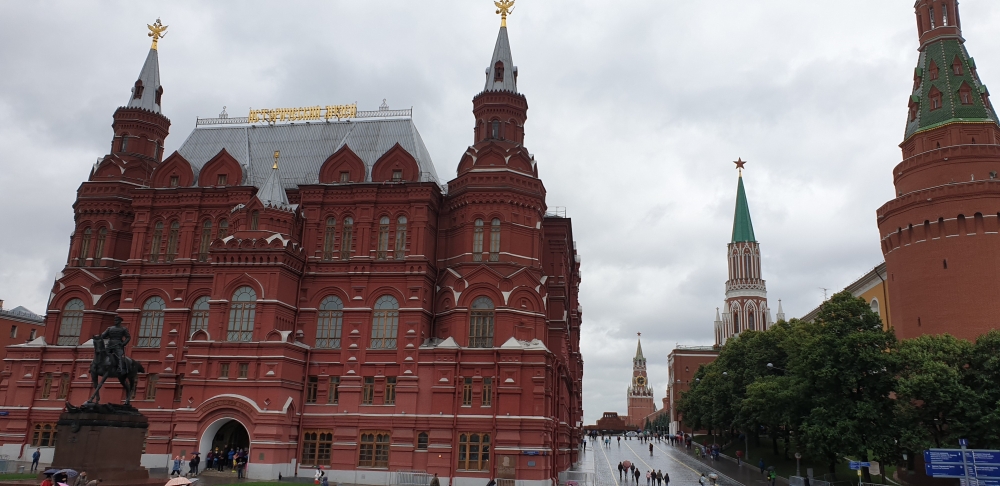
x,y
940,234
746,292
640,394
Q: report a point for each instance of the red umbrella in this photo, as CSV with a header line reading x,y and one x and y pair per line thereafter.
x,y
627,464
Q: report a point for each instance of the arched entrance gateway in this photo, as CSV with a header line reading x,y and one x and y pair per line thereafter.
x,y
224,433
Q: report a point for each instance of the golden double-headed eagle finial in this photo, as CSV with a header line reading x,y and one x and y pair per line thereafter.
x,y
157,31
504,8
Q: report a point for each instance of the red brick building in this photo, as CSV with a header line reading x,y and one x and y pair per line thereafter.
x,y
941,235
18,326
314,292
683,362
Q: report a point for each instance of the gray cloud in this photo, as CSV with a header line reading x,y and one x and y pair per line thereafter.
x,y
637,109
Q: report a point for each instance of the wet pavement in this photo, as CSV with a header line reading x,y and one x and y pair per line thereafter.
x,y
682,465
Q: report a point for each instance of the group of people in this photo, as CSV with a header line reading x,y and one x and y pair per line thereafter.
x,y
235,459
62,479
192,465
653,477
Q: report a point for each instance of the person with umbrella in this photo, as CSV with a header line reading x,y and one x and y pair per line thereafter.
x,y
193,464
81,480
181,481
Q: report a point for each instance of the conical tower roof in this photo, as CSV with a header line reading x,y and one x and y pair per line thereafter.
x,y
638,351
946,87
742,226
272,193
144,92
501,74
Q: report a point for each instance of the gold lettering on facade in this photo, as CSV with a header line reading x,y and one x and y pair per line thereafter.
x,y
328,112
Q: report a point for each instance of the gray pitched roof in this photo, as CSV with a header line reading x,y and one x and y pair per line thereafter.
x,y
304,147
150,77
502,53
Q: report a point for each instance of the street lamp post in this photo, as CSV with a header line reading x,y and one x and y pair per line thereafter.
x,y
798,470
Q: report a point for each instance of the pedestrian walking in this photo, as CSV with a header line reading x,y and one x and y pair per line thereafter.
x,y
760,464
650,449
621,469
772,476
35,456
435,481
739,458
636,474
666,479
702,480
81,480
649,476
619,441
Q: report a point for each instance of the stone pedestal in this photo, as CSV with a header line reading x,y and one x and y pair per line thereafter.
x,y
105,441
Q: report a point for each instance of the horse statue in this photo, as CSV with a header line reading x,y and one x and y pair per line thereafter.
x,y
104,367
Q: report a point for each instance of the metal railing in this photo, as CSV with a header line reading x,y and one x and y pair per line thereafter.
x,y
411,478
803,481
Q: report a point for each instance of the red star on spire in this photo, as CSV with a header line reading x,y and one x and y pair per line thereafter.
x,y
739,163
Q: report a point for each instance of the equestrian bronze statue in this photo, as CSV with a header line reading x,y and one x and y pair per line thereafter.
x,y
110,362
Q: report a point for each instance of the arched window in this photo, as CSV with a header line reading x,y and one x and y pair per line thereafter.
x,y
383,238
422,441
875,306
154,249
124,144
498,72
206,240
401,237
159,95
328,237
84,247
223,228
495,240
151,323
137,90
241,314
385,321
347,239
199,315
254,219
748,265
102,235
496,130
751,322
481,323
330,323
736,322
70,323
175,229
477,241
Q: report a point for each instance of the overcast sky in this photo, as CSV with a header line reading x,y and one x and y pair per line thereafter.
x,y
637,109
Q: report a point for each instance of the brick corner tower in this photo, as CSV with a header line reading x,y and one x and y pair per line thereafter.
x,y
640,394
746,292
939,234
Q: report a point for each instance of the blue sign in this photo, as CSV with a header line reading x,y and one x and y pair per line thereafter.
x,y
531,453
944,470
866,464
4,413
943,456
981,482
963,442
987,471
856,466
983,457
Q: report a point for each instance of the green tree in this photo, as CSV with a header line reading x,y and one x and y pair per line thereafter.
x,y
933,399
845,362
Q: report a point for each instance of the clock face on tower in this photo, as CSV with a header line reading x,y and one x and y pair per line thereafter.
x,y
640,381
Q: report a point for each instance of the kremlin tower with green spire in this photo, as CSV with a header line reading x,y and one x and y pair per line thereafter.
x,y
746,293
939,234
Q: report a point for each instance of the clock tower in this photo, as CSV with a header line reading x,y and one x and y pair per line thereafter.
x,y
640,394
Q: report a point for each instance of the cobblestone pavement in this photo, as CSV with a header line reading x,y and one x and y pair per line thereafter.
x,y
683,468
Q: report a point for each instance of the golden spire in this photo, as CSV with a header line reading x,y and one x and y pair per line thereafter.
x,y
504,8
276,155
157,31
